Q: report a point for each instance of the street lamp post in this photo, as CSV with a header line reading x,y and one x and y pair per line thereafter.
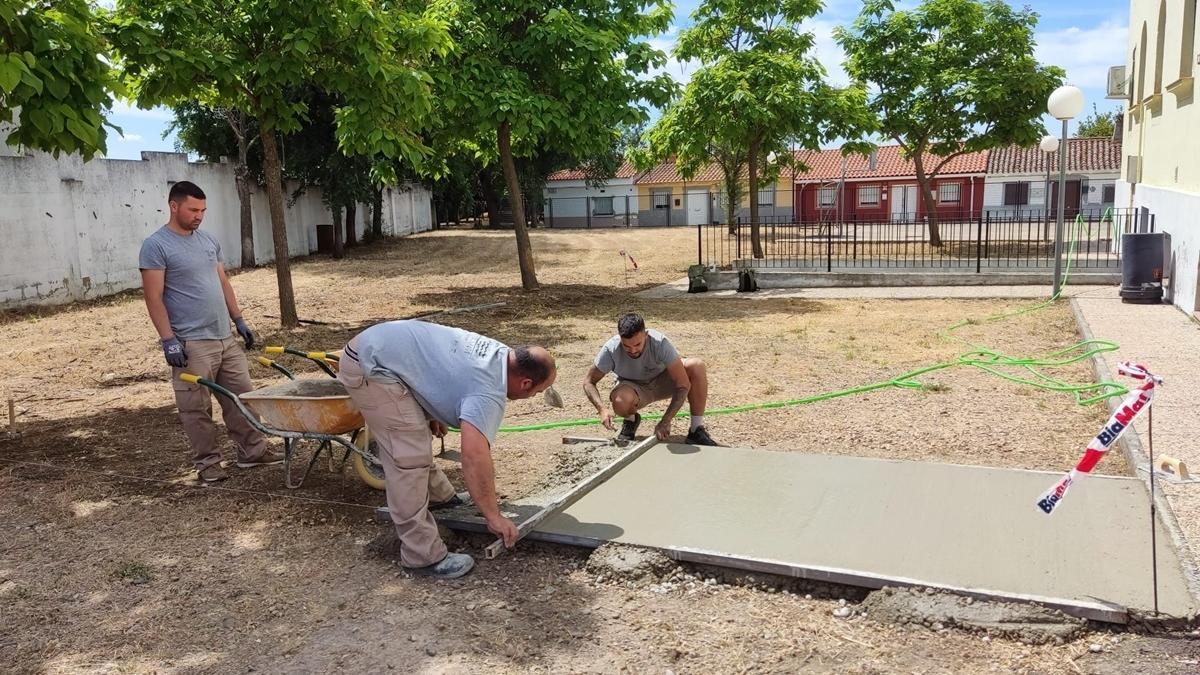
x,y
1049,145
1064,104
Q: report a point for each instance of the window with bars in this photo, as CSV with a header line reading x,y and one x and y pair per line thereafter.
x,y
661,199
602,206
766,196
1016,194
1109,194
868,195
950,193
827,196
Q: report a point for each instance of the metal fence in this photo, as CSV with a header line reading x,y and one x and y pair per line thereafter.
x,y
591,212
993,239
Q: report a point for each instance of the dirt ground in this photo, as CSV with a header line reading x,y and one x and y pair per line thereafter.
x,y
112,560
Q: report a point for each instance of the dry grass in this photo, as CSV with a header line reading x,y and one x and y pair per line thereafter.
x,y
235,577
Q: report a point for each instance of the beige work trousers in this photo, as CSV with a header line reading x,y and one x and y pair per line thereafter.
x,y
399,425
223,362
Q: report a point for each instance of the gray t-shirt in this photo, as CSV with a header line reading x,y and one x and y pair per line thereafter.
x,y
455,375
653,361
193,296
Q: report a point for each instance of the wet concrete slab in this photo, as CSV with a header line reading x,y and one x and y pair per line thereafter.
x,y
875,522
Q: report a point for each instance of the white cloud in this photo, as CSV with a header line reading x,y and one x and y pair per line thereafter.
x,y
1085,53
124,109
130,138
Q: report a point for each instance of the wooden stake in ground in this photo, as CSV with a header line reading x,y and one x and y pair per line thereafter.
x,y
12,417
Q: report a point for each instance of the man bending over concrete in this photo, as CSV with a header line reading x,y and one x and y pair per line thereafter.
x,y
413,379
648,369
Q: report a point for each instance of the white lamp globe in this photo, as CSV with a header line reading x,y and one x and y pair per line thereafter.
x,y
1066,102
1049,143
772,157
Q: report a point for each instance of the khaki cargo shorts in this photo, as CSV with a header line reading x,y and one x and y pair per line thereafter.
x,y
662,387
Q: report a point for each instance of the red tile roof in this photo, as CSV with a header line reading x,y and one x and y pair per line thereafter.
x,y
1083,154
626,170
666,173
890,162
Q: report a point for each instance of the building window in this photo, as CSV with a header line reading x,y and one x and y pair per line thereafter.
x,y
1109,194
1188,48
766,196
1160,47
950,193
868,195
826,196
602,206
661,199
1016,194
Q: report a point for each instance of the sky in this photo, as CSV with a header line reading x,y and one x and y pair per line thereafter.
x,y
1082,37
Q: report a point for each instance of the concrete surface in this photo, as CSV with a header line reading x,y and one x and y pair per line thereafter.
x,y
722,280
1167,341
878,522
913,606
678,289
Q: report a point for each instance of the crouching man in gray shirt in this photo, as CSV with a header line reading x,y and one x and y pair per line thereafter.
x,y
648,369
412,380
191,303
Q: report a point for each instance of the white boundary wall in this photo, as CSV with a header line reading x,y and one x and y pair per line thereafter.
x,y
71,230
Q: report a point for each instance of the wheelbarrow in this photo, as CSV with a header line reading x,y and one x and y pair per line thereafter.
x,y
365,459
299,410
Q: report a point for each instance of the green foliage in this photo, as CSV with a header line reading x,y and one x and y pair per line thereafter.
x,y
251,54
950,77
758,90
1098,124
52,67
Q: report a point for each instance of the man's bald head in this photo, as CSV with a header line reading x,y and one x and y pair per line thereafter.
x,y
531,370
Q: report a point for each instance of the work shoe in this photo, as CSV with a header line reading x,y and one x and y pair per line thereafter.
x,y
453,566
213,473
629,428
459,499
266,459
699,436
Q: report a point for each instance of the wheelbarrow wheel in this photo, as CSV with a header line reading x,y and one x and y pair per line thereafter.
x,y
370,472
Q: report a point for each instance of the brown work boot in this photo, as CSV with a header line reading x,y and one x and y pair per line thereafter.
x,y
213,473
267,458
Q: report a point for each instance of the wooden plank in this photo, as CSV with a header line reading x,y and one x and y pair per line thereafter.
x,y
580,440
497,547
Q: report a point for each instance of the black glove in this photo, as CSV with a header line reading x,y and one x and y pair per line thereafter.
x,y
173,350
244,331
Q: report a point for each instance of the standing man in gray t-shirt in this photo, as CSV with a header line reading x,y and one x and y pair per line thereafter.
x,y
191,303
648,369
412,380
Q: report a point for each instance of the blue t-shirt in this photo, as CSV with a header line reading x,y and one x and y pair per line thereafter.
x,y
192,292
455,375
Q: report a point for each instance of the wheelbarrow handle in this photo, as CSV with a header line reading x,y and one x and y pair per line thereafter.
x,y
271,364
322,359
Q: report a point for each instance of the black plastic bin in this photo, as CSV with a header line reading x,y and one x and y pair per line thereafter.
x,y
1142,255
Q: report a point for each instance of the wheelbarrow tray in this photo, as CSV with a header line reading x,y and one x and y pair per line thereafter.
x,y
313,405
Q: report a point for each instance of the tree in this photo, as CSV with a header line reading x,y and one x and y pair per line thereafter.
x,y
54,76
214,133
1098,124
530,75
757,91
249,55
948,78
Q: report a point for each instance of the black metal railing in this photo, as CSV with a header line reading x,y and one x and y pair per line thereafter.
x,y
989,240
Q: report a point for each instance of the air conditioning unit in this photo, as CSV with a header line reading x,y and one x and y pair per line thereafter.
x,y
1118,84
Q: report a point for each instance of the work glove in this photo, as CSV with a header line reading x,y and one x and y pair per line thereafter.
x,y
173,350
244,330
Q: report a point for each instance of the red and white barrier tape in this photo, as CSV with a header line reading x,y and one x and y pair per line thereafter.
x,y
1137,401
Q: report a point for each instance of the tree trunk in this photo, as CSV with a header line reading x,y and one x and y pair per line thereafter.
x,y
491,197
241,177
351,223
524,249
755,231
283,270
377,214
935,235
339,248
